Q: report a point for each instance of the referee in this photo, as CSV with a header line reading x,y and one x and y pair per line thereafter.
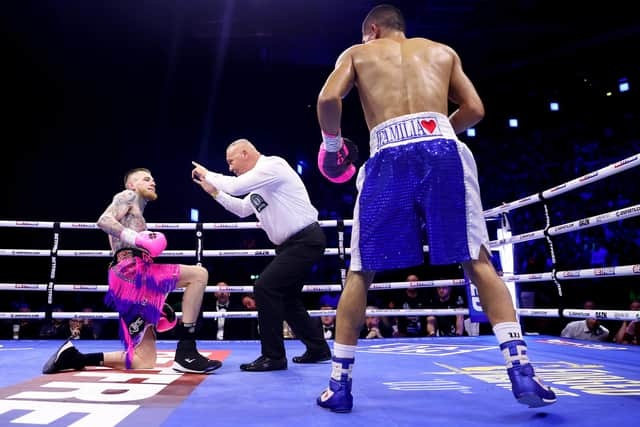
x,y
274,192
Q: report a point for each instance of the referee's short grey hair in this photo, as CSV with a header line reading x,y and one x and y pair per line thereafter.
x,y
243,142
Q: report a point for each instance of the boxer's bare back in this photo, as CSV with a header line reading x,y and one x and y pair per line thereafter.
x,y
396,75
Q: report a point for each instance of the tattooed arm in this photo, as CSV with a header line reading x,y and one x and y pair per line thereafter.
x,y
112,221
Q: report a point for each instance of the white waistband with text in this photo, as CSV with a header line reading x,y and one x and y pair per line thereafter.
x,y
410,128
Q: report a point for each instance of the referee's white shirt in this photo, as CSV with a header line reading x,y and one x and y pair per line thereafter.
x,y
274,193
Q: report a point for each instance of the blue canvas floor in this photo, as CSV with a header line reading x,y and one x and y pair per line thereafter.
x,y
397,382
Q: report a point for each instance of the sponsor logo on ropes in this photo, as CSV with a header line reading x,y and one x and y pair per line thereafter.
x,y
588,176
83,225
627,211
27,223
572,273
261,252
584,222
617,315
24,315
534,276
88,253
102,397
25,252
625,161
407,130
310,288
578,313
231,253
93,287
607,271
26,286
602,218
525,236
564,226
177,253
226,225
166,226
559,187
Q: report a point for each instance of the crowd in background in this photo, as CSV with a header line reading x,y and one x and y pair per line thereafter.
x,y
548,149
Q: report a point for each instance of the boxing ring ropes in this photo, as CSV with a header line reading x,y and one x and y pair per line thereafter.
x,y
503,245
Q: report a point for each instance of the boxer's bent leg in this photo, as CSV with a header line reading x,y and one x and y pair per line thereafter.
x,y
194,278
68,357
144,356
187,359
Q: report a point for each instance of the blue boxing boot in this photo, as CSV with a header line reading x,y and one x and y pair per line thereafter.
x,y
527,388
337,397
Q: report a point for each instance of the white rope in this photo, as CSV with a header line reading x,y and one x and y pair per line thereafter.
x,y
531,312
82,315
168,253
602,314
538,312
587,273
584,223
155,225
612,169
580,224
605,218
581,313
22,315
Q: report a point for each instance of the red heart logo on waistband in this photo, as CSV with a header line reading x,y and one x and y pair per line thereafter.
x,y
429,125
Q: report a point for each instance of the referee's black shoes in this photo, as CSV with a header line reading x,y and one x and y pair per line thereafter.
x,y
309,357
264,363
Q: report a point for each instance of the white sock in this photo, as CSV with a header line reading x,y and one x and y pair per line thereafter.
x,y
344,351
507,331
514,355
342,371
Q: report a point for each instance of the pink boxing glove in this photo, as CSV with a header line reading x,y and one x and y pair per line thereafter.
x,y
167,319
336,158
152,241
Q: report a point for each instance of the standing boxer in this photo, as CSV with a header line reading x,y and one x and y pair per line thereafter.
x,y
138,288
418,171
276,195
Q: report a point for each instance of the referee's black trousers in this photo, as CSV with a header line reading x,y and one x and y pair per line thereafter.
x,y
278,293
